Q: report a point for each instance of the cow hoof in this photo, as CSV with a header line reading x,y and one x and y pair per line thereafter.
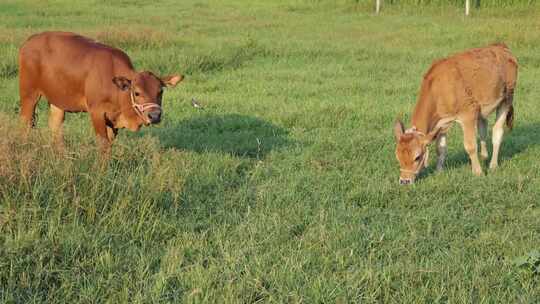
x,y
477,172
484,155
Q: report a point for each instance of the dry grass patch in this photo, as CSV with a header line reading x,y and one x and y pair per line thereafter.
x,y
30,163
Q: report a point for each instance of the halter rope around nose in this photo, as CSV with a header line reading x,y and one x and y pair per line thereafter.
x,y
140,108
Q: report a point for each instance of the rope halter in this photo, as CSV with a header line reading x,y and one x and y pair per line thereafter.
x,y
424,160
140,108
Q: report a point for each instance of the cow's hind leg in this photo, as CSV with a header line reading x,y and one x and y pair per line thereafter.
x,y
28,92
469,142
498,132
482,133
29,100
56,119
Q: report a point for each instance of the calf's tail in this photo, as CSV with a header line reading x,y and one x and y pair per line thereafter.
x,y
510,118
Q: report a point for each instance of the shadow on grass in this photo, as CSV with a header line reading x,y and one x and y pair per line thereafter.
x,y
235,134
212,191
517,141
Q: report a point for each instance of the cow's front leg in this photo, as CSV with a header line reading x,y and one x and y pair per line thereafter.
x,y
100,126
442,150
56,119
111,133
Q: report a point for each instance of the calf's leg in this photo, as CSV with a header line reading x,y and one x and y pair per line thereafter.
x,y
111,133
100,126
56,119
29,100
469,142
482,133
28,92
442,150
498,132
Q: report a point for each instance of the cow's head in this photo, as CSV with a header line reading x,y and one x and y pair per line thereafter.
x,y
145,92
411,151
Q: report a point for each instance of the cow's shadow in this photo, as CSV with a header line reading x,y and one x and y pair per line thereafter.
x,y
519,140
234,134
246,137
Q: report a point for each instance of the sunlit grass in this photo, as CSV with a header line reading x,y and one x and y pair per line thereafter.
x,y
284,189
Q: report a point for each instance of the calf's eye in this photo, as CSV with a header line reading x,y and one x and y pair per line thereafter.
x,y
418,158
137,94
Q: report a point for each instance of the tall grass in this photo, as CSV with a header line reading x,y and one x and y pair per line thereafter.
x,y
474,3
284,188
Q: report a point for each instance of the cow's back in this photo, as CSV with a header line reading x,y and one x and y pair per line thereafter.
x,y
478,77
487,72
62,66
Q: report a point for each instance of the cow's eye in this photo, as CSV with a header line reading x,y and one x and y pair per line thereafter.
x,y
418,158
137,94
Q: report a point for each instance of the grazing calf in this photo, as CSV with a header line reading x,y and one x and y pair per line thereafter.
x,y
77,74
463,88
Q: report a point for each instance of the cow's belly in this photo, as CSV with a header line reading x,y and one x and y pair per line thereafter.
x,y
67,101
490,99
487,108
64,93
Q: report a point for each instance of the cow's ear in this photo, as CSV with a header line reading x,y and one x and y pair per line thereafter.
x,y
398,129
172,80
122,82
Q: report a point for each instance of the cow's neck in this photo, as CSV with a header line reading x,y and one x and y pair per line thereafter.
x,y
424,118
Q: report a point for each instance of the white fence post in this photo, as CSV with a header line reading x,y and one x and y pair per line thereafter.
x,y
377,6
467,7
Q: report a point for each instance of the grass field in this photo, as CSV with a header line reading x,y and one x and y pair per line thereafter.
x,y
285,188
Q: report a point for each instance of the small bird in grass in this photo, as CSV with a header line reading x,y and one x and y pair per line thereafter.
x,y
196,104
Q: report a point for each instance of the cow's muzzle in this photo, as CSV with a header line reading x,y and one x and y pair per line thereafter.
x,y
154,116
149,112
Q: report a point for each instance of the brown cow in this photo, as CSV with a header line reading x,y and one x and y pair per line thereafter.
x,y
463,88
77,74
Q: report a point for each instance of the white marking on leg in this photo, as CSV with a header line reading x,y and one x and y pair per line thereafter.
x,y
442,150
442,141
482,133
497,135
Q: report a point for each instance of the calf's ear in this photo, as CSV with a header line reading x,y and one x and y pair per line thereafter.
x,y
122,82
172,80
398,129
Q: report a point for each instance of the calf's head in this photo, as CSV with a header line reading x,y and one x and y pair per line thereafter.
x,y
411,151
145,91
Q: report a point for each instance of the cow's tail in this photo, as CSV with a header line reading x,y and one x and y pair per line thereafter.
x,y
510,118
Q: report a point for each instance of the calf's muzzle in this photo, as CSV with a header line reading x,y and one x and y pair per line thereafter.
x,y
154,116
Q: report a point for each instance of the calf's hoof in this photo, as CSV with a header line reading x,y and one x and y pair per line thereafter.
x,y
484,155
477,171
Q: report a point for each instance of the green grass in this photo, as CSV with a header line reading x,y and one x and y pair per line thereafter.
x,y
285,188
473,3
